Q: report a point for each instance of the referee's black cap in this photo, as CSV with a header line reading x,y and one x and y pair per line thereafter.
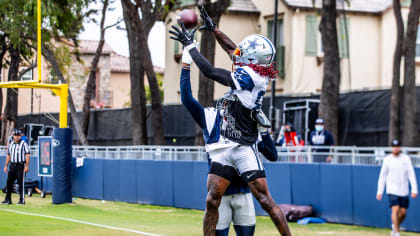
x,y
16,132
395,143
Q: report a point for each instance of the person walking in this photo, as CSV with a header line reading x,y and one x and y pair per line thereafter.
x,y
396,172
18,157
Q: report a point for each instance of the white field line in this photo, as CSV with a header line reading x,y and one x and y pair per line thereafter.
x,y
82,222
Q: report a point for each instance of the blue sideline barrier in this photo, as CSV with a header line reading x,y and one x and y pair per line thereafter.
x,y
339,193
335,193
367,210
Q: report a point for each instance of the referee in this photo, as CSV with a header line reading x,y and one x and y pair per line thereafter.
x,y
18,157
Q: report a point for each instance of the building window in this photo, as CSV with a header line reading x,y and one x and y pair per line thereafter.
x,y
27,75
280,48
313,46
343,36
418,42
312,35
405,3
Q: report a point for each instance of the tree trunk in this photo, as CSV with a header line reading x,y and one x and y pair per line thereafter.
x,y
3,50
90,85
157,117
395,115
207,49
75,120
410,129
328,108
138,93
10,111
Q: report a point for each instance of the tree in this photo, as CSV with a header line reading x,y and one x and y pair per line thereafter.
x,y
410,127
90,85
395,115
10,111
138,29
215,9
62,19
3,50
328,108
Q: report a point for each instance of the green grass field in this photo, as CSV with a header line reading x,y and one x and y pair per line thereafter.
x,y
144,218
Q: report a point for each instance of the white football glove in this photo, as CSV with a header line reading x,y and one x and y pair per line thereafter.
x,y
186,57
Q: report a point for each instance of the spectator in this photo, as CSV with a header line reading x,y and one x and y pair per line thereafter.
x,y
321,137
23,136
396,172
288,136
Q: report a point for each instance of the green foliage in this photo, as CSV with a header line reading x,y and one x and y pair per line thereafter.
x,y
159,78
61,19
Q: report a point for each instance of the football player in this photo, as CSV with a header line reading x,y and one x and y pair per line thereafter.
x,y
236,204
239,124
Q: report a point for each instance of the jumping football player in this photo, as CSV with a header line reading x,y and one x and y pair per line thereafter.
x,y
237,204
248,83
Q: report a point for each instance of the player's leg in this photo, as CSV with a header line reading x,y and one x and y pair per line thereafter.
x,y
243,214
20,179
401,215
252,170
225,216
394,218
11,177
216,187
404,203
260,190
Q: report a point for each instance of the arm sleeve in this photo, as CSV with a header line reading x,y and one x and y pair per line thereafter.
x,y
331,139
219,75
190,103
267,147
26,148
412,177
382,178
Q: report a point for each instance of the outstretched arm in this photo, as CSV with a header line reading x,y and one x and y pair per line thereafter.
x,y
208,24
190,103
217,74
267,147
225,42
187,39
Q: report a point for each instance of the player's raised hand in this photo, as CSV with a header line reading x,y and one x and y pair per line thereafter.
x,y
182,35
208,23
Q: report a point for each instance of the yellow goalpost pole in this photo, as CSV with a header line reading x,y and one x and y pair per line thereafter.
x,y
39,39
62,90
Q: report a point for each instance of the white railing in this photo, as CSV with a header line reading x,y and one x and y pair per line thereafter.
x,y
305,154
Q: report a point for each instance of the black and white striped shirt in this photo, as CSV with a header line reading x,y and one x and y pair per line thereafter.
x,y
17,152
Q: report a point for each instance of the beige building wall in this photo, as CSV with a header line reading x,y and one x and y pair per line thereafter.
x,y
120,87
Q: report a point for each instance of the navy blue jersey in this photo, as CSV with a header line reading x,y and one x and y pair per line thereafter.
x,y
322,138
210,121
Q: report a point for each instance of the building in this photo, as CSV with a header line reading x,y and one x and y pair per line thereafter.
x,y
366,37
112,87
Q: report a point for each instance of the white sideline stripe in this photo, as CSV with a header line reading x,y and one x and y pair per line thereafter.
x,y
82,222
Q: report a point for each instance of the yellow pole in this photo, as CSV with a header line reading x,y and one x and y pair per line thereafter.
x,y
39,39
64,93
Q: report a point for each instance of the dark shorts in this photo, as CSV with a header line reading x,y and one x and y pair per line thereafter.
x,y
395,200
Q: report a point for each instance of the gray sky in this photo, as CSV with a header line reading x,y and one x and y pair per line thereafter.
x,y
117,39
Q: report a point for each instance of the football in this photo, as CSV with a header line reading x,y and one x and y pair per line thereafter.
x,y
188,17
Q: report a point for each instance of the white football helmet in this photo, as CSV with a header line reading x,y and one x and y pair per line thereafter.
x,y
255,49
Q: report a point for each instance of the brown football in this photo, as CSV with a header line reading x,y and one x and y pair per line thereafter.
x,y
188,17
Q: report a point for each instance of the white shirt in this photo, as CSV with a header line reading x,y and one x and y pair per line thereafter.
x,y
222,143
250,87
396,172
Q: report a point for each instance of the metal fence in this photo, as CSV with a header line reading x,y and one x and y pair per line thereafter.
x,y
305,154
